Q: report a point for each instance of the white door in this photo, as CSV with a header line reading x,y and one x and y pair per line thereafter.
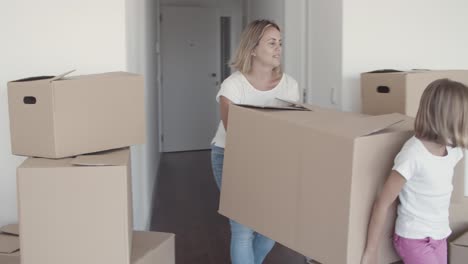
x,y
190,77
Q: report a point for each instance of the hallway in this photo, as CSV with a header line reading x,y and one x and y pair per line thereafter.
x,y
186,204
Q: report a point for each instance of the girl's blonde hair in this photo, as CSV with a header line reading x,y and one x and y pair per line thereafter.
x,y
443,114
242,60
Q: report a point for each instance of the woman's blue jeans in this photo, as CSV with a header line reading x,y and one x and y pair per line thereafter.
x,y
247,246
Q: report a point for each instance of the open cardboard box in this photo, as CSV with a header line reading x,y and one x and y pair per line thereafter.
x,y
308,179
56,117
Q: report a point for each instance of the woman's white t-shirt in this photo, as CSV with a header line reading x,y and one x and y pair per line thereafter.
x,y
425,198
238,90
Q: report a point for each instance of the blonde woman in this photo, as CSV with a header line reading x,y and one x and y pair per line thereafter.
x,y
422,178
258,80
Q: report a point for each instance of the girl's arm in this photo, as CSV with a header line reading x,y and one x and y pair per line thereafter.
x,y
224,109
391,189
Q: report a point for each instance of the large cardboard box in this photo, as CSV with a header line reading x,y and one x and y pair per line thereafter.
x,y
153,248
11,229
148,248
400,92
308,179
76,210
458,212
458,193
458,250
56,117
458,216
9,245
10,259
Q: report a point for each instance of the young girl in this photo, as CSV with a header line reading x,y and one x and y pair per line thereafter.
x,y
258,81
422,178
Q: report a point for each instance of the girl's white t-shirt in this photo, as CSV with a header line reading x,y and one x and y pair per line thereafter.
x,y
238,90
425,198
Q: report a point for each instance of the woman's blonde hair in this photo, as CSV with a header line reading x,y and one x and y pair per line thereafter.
x,y
242,60
443,114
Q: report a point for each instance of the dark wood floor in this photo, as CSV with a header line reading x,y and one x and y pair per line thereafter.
x,y
186,204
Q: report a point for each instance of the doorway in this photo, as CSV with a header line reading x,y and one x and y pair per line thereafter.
x,y
191,69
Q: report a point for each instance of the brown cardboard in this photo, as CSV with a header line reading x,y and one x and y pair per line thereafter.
x,y
153,248
458,193
11,229
458,250
400,92
9,244
147,248
308,179
10,258
9,240
458,216
76,214
67,116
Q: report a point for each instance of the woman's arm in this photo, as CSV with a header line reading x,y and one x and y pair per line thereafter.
x,y
224,109
391,189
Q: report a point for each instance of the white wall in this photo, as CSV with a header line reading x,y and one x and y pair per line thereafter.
x,y
142,37
267,9
400,35
52,36
324,52
295,42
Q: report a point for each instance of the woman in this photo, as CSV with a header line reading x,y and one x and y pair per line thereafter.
x,y
258,80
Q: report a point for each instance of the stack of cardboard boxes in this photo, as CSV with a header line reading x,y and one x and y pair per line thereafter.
x,y
74,190
308,179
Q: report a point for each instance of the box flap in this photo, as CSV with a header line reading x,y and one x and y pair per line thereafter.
x,y
34,78
372,124
462,240
10,229
107,158
384,71
144,241
347,124
400,71
274,107
352,126
281,104
9,244
105,75
294,104
60,76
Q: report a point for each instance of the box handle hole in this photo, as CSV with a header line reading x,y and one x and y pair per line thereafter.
x,y
383,89
29,100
